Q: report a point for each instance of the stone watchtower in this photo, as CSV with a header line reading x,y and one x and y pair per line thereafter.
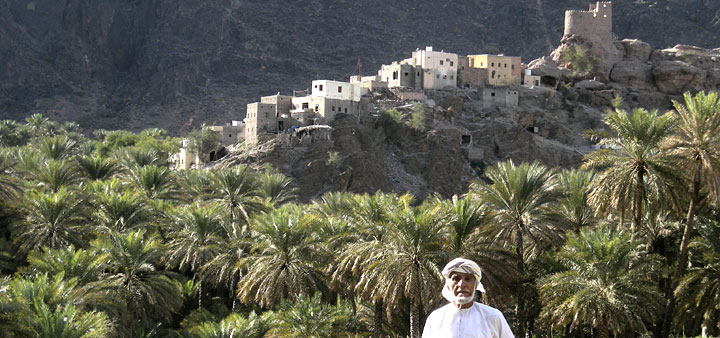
x,y
597,21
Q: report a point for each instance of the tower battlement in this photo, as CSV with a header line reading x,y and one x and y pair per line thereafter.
x,y
596,21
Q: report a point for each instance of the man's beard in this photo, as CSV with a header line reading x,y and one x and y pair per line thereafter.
x,y
462,300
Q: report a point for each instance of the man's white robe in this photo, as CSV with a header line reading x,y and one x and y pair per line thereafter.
x,y
477,321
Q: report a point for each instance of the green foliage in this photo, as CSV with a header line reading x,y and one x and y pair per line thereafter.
x,y
333,159
582,62
101,238
202,141
606,284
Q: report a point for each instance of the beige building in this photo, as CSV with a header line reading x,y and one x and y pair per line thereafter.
x,y
261,118
402,75
501,70
439,68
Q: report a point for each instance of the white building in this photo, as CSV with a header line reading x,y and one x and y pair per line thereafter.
x,y
337,90
439,68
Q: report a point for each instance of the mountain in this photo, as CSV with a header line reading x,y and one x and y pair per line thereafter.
x,y
174,64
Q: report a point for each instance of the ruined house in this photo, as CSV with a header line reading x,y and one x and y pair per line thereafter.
x,y
471,76
499,97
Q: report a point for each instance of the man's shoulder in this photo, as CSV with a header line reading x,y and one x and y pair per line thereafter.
x,y
488,311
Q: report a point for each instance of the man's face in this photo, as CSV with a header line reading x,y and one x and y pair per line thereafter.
x,y
462,284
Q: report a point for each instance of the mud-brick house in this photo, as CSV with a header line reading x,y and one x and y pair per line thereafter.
x,y
501,70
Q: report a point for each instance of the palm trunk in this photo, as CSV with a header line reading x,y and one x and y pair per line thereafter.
x,y
682,257
520,307
377,323
200,295
414,317
637,203
602,332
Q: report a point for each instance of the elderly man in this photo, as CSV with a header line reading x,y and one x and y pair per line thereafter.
x,y
464,317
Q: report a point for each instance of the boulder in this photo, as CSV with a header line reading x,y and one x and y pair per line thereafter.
x,y
636,50
633,74
589,85
675,77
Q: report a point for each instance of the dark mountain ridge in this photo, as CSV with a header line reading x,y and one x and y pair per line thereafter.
x,y
177,63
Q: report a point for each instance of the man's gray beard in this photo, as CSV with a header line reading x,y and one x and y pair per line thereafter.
x,y
462,300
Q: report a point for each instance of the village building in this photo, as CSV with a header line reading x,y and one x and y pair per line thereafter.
x,y
470,76
499,97
230,133
261,118
370,83
531,81
439,68
402,75
501,70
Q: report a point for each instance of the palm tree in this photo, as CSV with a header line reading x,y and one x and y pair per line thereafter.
x,y
606,285
234,325
79,264
404,263
573,208
8,181
56,147
308,317
132,157
698,293
156,183
366,217
38,125
49,312
520,197
465,219
197,236
634,169
53,220
97,167
237,190
284,260
151,295
53,175
697,148
120,211
275,187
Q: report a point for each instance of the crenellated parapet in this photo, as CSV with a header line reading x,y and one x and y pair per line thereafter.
x,y
596,21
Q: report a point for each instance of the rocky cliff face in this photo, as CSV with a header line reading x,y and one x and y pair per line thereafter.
x,y
177,63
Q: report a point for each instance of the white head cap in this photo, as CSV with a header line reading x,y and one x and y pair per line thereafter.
x,y
460,265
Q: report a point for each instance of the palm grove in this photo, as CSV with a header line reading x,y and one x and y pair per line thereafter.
x,y
101,239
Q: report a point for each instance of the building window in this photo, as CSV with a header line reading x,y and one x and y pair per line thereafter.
x,y
406,74
512,66
317,108
506,65
418,73
321,87
305,105
451,63
437,76
229,135
492,94
346,110
492,64
339,89
452,77
441,62
333,108
395,75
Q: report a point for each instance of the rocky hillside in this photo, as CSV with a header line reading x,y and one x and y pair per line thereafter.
x,y
177,63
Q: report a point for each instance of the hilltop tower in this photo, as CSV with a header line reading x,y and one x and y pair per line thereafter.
x,y
597,21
